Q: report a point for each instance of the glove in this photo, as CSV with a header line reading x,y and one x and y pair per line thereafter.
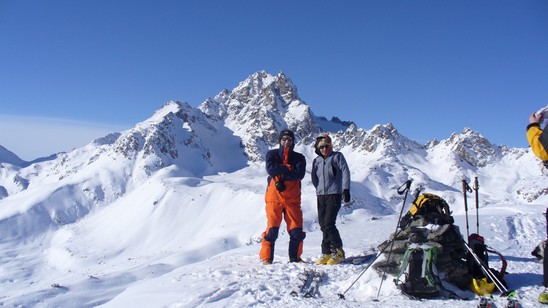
x,y
280,186
346,195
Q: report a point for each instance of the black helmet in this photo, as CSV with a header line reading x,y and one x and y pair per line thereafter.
x,y
286,132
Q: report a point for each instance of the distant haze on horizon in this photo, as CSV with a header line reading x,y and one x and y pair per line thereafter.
x,y
32,137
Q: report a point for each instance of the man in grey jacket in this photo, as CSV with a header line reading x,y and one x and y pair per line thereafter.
x,y
331,178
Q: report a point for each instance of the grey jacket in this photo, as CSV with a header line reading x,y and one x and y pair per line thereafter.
x,y
330,175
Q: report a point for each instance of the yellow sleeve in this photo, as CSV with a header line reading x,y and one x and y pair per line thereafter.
x,y
533,134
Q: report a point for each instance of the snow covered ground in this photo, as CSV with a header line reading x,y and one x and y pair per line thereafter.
x,y
194,242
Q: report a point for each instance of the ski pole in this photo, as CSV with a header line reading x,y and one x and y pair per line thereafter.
x,y
476,188
406,190
500,286
466,188
341,295
407,184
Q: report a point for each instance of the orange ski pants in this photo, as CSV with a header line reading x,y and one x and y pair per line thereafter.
x,y
293,216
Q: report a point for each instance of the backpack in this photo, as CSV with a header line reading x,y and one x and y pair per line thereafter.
x,y
476,243
418,275
432,208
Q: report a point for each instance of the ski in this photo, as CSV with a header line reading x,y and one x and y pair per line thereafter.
x,y
309,282
359,260
305,279
485,301
512,301
313,288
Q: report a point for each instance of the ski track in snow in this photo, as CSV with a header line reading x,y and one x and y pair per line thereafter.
x,y
526,229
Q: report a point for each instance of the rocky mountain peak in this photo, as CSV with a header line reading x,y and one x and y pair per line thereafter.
x,y
258,108
472,147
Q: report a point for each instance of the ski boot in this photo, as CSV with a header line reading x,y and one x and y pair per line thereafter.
x,y
336,257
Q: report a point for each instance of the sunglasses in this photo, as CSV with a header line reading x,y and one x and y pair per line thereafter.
x,y
287,139
324,147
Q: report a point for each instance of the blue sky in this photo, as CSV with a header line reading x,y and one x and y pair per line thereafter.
x,y
429,67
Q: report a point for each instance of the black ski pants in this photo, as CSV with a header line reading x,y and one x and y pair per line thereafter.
x,y
328,208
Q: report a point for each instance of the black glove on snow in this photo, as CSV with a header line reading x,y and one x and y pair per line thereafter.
x,y
346,195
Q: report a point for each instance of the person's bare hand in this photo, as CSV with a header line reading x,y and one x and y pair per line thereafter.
x,y
533,118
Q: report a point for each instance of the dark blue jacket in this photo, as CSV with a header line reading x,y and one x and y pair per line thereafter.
x,y
275,166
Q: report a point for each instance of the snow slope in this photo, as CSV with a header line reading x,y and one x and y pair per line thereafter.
x,y
196,244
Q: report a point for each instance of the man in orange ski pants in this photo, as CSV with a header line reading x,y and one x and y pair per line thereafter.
x,y
285,169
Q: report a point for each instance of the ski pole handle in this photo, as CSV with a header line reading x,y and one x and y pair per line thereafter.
x,y
476,184
417,191
407,185
466,187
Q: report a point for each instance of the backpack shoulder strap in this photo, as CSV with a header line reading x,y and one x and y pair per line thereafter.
x,y
502,259
405,262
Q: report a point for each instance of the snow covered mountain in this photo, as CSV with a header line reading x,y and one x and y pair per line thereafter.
x,y
187,184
